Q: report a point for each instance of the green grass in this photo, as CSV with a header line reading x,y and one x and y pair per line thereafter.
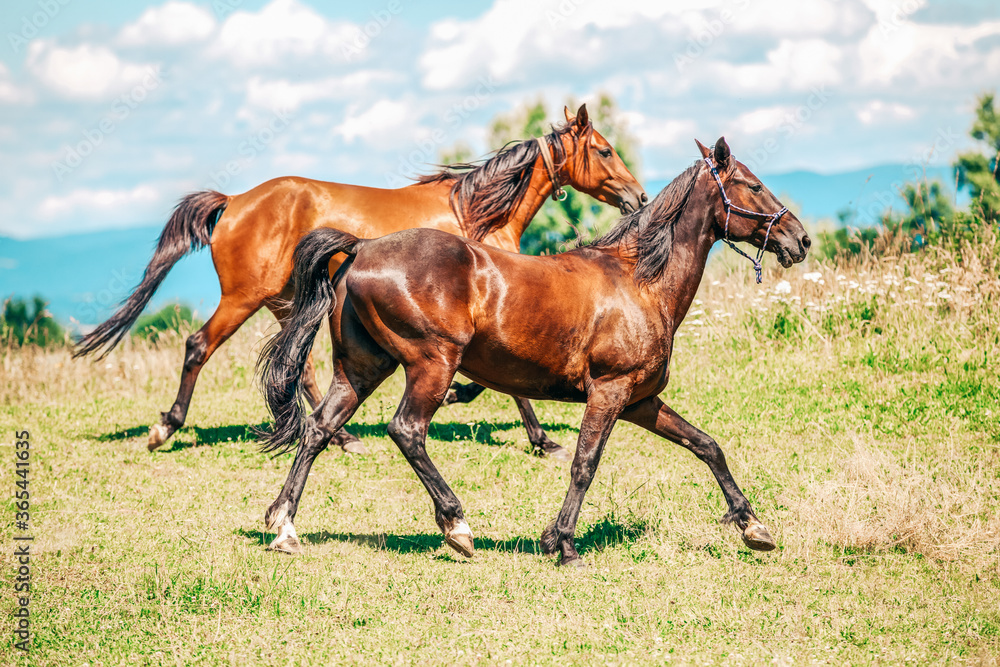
x,y
865,435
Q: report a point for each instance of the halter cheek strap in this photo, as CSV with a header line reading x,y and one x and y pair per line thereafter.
x,y
746,213
558,194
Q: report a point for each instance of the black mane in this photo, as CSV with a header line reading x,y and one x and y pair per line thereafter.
x,y
485,193
647,235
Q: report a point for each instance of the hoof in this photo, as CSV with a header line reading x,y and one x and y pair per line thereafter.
x,y
757,538
355,447
286,541
158,435
289,545
557,453
575,563
460,539
450,398
349,442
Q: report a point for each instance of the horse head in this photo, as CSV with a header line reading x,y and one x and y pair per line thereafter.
x,y
593,166
748,211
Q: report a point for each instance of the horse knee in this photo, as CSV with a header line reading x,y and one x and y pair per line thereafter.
x,y
707,450
194,352
406,436
316,435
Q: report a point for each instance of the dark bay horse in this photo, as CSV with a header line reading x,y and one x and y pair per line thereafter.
x,y
253,237
601,333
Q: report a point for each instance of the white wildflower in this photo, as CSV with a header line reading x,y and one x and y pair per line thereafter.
x,y
814,276
783,287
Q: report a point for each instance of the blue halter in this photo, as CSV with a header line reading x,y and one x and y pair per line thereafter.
x,y
730,206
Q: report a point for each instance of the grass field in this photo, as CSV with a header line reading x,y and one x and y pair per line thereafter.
x,y
857,405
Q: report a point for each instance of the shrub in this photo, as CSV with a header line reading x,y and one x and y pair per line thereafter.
x,y
176,318
27,323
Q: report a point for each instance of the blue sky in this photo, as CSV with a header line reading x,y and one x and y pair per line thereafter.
x,y
111,111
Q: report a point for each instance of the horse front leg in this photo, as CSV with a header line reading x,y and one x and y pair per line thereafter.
x,y
541,444
603,407
653,415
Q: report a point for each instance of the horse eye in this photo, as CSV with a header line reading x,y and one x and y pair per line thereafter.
x,y
604,152
755,187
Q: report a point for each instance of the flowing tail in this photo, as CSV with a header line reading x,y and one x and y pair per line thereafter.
x,y
189,228
283,359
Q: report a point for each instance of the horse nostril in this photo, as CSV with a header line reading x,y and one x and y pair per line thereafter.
x,y
643,198
806,242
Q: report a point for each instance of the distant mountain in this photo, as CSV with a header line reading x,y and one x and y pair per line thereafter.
x,y
85,276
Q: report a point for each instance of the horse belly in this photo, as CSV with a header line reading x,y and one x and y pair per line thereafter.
x,y
529,370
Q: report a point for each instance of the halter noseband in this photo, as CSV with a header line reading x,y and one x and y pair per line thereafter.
x,y
558,194
730,206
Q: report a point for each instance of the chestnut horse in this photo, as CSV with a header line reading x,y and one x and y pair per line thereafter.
x,y
601,333
253,236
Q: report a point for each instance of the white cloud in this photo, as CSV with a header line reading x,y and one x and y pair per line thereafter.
x,y
84,202
282,29
929,55
762,120
660,131
793,65
169,24
517,35
289,94
83,72
379,124
10,93
879,111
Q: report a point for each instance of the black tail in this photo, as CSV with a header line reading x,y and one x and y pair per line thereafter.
x,y
189,228
283,359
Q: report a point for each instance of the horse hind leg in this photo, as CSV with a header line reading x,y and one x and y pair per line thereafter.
x,y
653,415
347,441
540,441
426,386
463,393
227,318
353,382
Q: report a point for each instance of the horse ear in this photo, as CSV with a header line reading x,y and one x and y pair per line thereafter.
x,y
703,148
566,113
582,117
721,152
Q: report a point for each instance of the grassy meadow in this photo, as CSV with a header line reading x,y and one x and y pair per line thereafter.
x,y
856,402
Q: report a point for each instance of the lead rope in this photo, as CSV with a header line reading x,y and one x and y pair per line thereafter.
x,y
558,194
730,206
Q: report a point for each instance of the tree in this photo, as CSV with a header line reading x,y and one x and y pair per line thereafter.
x,y
557,223
981,172
29,325
928,211
172,317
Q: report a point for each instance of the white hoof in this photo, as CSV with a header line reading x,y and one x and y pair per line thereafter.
x,y
460,539
158,435
286,541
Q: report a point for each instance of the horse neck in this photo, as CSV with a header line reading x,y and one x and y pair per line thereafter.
x,y
694,235
520,216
